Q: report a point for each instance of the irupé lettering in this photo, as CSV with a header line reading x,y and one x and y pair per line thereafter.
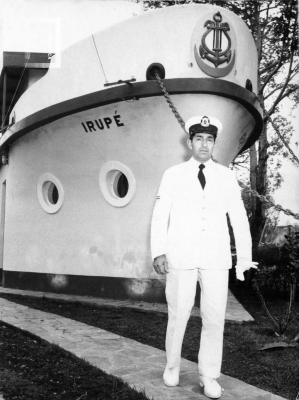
x,y
101,124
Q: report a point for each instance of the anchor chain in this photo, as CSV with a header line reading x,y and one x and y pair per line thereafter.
x,y
169,101
267,199
262,198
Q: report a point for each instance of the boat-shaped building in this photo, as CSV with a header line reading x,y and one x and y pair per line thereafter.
x,y
85,143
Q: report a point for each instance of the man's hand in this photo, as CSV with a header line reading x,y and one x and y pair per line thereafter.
x,y
160,264
242,267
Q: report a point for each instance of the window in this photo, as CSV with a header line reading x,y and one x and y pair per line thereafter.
x,y
117,183
50,193
120,185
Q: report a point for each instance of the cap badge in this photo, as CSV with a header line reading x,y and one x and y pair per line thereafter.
x,y
205,121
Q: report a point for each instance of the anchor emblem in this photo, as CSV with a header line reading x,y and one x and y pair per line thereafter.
x,y
211,49
216,56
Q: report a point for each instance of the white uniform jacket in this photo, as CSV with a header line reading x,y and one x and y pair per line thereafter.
x,y
189,224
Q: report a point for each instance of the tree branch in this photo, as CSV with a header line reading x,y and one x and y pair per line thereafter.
x,y
268,8
290,305
279,87
270,76
237,164
280,95
263,29
269,67
271,317
282,58
294,158
288,92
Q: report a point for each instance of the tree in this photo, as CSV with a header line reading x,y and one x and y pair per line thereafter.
x,y
274,26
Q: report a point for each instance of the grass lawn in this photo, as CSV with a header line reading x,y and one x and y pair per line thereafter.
x,y
33,369
274,370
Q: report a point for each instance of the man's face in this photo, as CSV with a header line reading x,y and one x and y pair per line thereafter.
x,y
201,145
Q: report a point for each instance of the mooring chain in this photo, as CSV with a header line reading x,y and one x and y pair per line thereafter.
x,y
169,102
262,198
267,199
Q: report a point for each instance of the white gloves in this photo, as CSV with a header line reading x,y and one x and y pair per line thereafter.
x,y
244,266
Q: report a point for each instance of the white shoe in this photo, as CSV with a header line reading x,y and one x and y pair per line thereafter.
x,y
211,387
171,376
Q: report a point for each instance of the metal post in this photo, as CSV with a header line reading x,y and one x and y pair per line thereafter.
x,y
4,100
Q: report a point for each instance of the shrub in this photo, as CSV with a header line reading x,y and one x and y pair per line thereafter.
x,y
282,276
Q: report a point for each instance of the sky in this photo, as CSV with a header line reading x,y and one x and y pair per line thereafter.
x,y
51,26
288,193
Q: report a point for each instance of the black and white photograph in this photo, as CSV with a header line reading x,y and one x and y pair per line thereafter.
x,y
149,200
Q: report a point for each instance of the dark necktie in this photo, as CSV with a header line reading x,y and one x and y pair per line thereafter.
x,y
201,176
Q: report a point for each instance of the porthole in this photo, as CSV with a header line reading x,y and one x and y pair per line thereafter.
x,y
117,183
248,85
50,193
120,184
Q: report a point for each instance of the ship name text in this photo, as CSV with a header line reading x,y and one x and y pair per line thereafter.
x,y
101,124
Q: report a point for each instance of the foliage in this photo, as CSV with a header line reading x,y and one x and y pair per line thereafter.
x,y
273,24
279,265
283,276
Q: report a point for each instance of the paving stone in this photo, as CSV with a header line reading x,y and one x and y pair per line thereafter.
x,y
139,365
235,311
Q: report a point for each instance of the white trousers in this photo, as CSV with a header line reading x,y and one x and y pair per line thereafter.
x,y
180,296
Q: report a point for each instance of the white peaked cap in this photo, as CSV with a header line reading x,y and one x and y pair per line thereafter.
x,y
198,119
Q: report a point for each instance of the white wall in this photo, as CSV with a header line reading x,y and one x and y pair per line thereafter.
x,y
127,49
88,236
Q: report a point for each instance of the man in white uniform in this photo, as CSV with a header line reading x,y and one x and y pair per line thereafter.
x,y
190,242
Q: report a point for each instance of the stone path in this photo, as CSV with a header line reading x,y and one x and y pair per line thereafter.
x,y
235,311
139,365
